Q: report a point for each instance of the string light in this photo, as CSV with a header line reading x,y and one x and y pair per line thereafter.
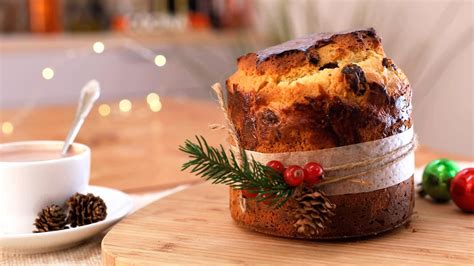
x,y
152,97
155,106
125,105
153,100
98,47
160,60
104,110
48,73
7,128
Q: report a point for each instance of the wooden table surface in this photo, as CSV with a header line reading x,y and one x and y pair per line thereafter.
x,y
181,231
137,151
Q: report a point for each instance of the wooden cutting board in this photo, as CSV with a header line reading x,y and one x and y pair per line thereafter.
x,y
195,227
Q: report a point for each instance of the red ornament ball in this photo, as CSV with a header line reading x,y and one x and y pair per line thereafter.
x,y
314,173
462,190
294,175
277,165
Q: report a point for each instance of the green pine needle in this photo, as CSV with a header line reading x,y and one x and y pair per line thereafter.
x,y
213,164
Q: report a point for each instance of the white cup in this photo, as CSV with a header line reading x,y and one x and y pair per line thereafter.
x,y
28,186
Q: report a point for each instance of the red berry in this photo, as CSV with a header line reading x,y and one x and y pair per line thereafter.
x,y
247,194
277,165
314,173
462,190
294,175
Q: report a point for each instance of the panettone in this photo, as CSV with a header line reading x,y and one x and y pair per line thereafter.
x,y
322,91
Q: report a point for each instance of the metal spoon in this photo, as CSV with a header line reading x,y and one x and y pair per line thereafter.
x,y
89,94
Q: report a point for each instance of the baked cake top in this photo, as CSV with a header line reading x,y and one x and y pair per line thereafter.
x,y
320,91
311,41
341,64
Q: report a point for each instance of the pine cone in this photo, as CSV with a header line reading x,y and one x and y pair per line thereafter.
x,y
314,212
51,218
85,209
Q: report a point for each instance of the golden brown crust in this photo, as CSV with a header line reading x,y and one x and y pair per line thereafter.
x,y
357,215
320,92
290,102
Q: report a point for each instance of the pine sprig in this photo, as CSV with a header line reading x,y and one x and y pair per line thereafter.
x,y
214,164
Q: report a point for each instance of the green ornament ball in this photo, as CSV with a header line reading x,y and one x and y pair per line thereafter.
x,y
437,177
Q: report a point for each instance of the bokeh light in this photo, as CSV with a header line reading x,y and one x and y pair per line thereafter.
x,y
155,106
98,47
152,97
48,73
7,128
154,102
125,105
160,60
104,110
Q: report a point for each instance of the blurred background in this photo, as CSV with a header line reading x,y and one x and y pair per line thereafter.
x,y
178,48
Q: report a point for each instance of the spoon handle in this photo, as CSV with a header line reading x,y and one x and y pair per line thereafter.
x,y
89,94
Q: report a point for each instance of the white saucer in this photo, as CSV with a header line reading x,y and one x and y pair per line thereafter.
x,y
118,203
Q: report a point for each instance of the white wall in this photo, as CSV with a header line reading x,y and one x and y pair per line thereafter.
x,y
122,72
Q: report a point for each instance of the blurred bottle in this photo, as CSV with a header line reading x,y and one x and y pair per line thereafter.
x,y
199,11
45,16
85,15
120,14
8,16
180,18
219,13
236,13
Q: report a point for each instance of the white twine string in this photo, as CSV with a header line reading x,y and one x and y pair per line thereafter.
x,y
361,167
373,164
230,126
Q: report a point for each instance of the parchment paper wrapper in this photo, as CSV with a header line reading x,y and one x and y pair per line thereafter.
x,y
380,175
